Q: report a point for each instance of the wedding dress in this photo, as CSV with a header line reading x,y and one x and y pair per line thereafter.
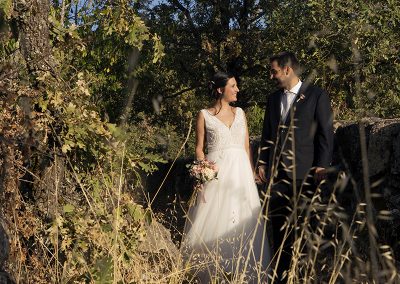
x,y
224,236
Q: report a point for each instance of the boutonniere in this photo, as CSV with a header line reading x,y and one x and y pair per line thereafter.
x,y
301,97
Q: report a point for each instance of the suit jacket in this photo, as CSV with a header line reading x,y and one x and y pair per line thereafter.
x,y
307,133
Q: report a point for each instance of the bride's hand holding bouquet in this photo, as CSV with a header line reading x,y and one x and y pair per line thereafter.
x,y
201,171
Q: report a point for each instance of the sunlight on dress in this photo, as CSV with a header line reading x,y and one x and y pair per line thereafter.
x,y
224,237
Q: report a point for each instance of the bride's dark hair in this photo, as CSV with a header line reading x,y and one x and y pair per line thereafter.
x,y
219,80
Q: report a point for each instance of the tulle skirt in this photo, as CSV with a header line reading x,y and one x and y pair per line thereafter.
x,y
225,232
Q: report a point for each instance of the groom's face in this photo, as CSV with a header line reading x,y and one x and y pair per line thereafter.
x,y
278,74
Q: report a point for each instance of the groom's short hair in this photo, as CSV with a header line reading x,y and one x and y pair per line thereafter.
x,y
286,58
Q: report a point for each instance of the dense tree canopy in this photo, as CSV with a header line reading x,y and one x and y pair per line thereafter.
x,y
345,47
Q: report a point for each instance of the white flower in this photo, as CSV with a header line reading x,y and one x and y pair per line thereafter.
x,y
209,174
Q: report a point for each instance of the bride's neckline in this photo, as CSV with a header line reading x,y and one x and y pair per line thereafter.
x,y
233,121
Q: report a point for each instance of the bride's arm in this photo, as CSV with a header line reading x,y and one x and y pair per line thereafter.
x,y
247,145
200,132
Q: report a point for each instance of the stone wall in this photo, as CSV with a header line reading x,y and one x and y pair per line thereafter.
x,y
382,138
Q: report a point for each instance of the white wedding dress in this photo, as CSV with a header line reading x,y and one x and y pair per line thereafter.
x,y
224,236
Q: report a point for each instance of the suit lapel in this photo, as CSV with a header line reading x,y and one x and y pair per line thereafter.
x,y
277,108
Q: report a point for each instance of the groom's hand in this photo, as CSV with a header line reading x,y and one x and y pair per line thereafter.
x,y
262,170
320,174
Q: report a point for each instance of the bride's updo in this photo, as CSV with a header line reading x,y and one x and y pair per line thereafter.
x,y
219,80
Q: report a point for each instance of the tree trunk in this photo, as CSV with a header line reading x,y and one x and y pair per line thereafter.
x,y
31,18
33,28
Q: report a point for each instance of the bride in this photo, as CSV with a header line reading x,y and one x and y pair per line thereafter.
x,y
224,236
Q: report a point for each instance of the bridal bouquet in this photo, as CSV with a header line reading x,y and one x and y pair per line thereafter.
x,y
201,171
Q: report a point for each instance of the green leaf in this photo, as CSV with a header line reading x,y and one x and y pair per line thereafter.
x,y
103,270
136,212
65,148
5,8
146,167
68,208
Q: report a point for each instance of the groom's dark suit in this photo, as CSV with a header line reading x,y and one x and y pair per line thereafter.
x,y
313,131
312,147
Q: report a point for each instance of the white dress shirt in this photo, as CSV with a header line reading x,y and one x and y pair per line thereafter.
x,y
288,98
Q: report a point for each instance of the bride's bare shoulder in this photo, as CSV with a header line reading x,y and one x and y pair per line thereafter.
x,y
201,113
211,110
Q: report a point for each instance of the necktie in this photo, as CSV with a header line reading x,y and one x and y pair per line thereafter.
x,y
285,104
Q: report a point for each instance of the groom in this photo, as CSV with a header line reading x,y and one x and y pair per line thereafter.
x,y
296,146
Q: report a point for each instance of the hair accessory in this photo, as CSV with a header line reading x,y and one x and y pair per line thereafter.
x,y
211,84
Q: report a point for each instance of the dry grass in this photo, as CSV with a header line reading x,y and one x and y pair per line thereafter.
x,y
87,229
332,244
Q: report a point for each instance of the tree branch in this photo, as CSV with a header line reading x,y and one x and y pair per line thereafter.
x,y
257,17
186,12
181,92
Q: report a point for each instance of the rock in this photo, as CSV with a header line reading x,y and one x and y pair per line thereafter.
x,y
395,167
383,146
158,239
382,137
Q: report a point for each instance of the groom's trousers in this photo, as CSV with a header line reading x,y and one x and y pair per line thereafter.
x,y
280,212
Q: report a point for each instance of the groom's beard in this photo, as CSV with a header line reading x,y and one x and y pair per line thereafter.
x,y
277,83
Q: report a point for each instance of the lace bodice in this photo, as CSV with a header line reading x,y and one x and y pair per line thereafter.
x,y
219,136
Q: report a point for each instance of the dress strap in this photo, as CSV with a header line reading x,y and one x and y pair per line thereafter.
x,y
205,113
238,110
